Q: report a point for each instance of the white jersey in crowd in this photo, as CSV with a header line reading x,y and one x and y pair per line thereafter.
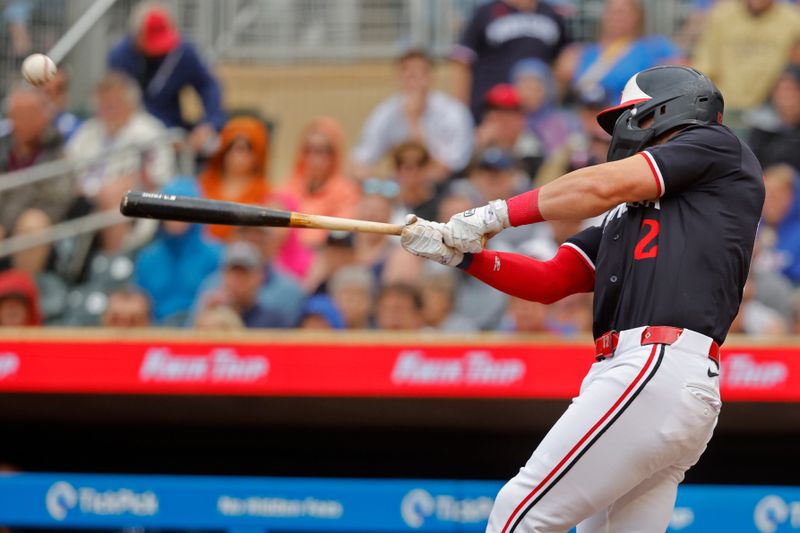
x,y
92,139
446,124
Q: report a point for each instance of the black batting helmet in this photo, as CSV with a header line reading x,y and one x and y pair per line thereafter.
x,y
674,96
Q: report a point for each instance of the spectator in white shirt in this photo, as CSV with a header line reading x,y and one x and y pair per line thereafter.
x,y
442,123
120,122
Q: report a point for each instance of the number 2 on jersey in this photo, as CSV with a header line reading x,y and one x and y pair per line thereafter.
x,y
639,253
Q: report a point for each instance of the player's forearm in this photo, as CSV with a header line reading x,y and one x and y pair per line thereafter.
x,y
529,279
586,192
578,195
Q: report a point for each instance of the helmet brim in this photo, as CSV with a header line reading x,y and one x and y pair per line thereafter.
x,y
608,117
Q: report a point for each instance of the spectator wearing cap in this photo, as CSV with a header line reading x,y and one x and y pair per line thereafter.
x,y
163,63
418,192
621,51
319,312
775,133
499,34
318,182
278,292
19,300
744,48
240,286
442,123
503,125
552,126
173,266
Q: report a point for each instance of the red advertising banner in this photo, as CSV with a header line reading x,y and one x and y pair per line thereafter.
x,y
341,368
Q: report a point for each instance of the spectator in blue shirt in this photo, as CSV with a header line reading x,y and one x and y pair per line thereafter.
x,y
172,267
621,51
164,64
250,262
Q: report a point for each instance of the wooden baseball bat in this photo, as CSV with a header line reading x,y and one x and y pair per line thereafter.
x,y
202,211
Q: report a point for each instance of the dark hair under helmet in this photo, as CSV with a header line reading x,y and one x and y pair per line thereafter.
x,y
675,96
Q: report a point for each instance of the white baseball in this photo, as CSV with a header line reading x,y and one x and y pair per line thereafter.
x,y
38,69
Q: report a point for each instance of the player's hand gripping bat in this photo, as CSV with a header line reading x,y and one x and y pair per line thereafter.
x,y
203,211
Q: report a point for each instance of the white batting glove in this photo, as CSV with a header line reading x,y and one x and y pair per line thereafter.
x,y
466,231
424,239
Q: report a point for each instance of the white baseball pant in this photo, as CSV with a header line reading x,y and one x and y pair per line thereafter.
x,y
613,461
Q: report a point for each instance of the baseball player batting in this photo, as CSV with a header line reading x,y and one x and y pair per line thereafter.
x,y
682,197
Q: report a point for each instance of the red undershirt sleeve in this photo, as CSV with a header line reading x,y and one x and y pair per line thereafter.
x,y
540,281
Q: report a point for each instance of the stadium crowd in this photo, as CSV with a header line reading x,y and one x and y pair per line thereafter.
x,y
521,112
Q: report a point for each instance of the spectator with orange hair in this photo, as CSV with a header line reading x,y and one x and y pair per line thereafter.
x,y
318,182
237,170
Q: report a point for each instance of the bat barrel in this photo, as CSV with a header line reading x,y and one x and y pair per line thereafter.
x,y
199,210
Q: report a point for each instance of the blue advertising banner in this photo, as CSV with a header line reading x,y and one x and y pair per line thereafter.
x,y
333,505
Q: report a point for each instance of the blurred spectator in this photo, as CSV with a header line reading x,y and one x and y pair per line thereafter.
x,y
57,91
417,193
503,125
744,48
500,33
277,293
352,290
220,318
438,297
19,300
373,249
172,267
597,140
523,316
236,171
319,312
755,318
775,134
33,140
120,123
440,122
317,181
127,308
570,316
495,175
536,86
337,253
163,63
240,285
17,16
781,219
620,52
398,307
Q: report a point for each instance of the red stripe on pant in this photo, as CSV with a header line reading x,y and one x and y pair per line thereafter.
x,y
583,439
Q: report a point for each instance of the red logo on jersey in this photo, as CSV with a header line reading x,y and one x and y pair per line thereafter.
x,y
639,253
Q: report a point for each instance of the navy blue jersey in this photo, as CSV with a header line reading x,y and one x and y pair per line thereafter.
x,y
499,35
681,260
